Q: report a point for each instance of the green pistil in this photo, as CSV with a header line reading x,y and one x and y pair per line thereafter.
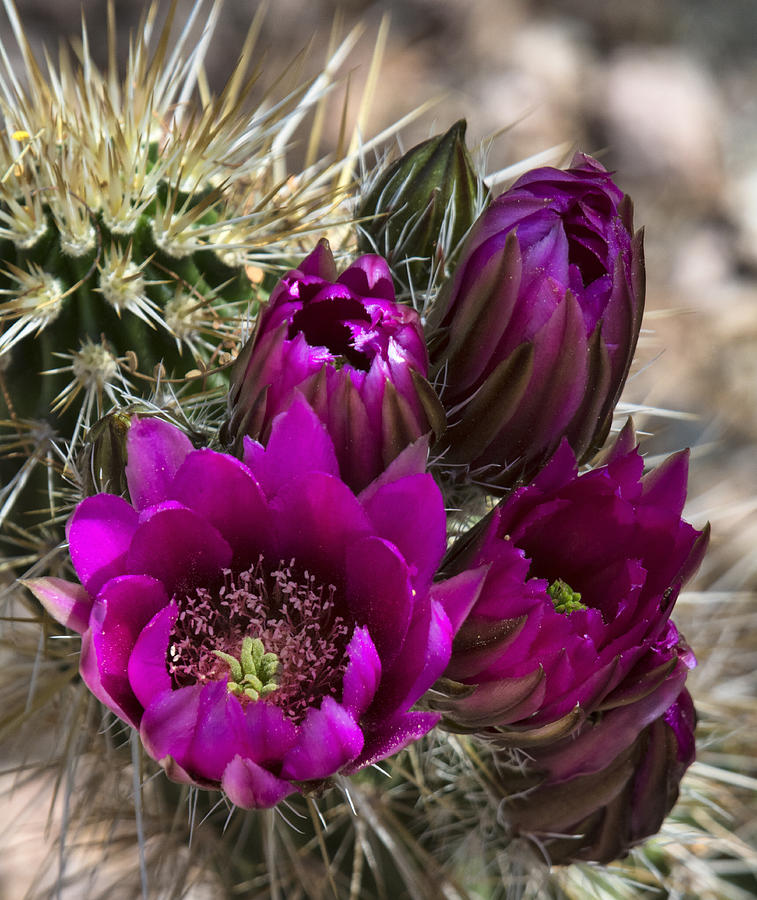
x,y
565,599
253,674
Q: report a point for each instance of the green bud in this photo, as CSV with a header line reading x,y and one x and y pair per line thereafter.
x,y
420,208
103,460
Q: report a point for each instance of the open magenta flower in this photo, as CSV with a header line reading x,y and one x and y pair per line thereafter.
x,y
535,331
593,796
582,572
261,625
358,358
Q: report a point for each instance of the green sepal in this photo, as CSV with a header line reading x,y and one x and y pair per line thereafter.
x,y
103,460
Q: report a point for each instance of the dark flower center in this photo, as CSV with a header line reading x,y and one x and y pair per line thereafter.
x,y
273,636
588,252
324,324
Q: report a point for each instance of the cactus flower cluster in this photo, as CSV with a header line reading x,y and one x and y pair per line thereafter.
x,y
278,591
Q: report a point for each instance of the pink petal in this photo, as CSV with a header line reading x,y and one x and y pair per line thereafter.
x,y
253,455
458,595
624,444
320,263
120,612
222,490
665,486
379,593
178,547
423,658
250,786
597,745
390,737
155,451
99,534
560,470
411,461
215,736
317,521
89,669
394,510
178,773
147,669
361,679
369,276
169,722
299,443
435,656
265,734
329,738
67,603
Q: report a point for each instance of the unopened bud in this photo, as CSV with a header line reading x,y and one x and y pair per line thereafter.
x,y
421,207
103,460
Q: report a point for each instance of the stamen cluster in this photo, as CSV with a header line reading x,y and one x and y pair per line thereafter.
x,y
290,614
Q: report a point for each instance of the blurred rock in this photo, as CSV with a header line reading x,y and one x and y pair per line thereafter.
x,y
662,114
534,89
742,204
704,255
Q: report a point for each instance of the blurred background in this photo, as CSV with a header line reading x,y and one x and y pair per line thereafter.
x,y
665,94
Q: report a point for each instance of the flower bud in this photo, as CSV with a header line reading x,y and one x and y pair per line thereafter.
x,y
615,801
103,459
356,356
421,207
533,336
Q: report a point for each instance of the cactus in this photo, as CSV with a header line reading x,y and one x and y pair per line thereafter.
x,y
141,224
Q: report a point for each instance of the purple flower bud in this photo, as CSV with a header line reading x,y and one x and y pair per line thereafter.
x,y
357,357
536,330
580,574
261,625
617,800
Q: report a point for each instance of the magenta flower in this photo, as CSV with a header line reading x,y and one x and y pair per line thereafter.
x,y
536,330
593,796
582,572
261,625
357,357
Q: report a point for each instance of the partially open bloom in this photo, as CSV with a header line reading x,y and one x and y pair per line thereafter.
x,y
591,798
573,617
261,625
536,329
358,358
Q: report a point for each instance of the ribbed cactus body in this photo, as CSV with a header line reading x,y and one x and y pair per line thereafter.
x,y
125,304
117,313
